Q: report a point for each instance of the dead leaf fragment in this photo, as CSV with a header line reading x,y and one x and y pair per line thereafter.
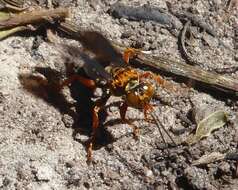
x,y
214,121
206,159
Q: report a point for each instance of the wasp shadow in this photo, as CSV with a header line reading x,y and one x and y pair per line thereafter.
x,y
43,83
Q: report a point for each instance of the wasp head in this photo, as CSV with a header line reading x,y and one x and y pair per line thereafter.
x,y
138,93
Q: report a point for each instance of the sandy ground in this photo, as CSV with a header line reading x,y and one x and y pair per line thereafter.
x,y
42,147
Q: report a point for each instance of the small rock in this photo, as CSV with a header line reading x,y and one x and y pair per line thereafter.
x,y
23,172
74,177
126,34
198,178
43,172
6,181
123,21
67,120
16,44
36,186
148,173
225,167
210,41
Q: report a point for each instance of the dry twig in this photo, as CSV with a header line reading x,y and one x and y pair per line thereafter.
x,y
15,5
212,80
34,17
185,53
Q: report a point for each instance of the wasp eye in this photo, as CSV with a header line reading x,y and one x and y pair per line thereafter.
x,y
145,87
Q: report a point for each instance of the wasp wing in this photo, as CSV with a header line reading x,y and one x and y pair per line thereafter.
x,y
96,43
74,55
94,69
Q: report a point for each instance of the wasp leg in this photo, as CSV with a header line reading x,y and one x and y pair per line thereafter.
x,y
98,106
129,53
157,78
95,118
123,109
163,83
85,81
147,108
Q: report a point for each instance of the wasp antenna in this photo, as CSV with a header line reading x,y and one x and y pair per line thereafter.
x,y
159,124
160,131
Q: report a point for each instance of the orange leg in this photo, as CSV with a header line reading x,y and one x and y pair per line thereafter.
x,y
163,83
86,82
147,108
129,53
157,78
92,139
98,105
123,109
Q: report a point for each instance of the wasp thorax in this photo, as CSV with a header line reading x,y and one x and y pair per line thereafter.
x,y
138,94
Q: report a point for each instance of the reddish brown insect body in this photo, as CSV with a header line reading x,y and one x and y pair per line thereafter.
x,y
121,80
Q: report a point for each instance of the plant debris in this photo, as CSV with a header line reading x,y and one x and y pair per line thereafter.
x,y
206,159
34,17
213,121
8,32
15,5
214,157
212,80
12,23
185,53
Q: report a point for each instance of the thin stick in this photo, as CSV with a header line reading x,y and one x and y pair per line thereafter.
x,y
182,38
4,34
212,80
34,17
223,83
16,5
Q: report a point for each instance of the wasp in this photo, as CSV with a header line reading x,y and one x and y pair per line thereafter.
x,y
110,70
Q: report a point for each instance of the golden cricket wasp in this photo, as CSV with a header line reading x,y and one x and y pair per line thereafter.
x,y
104,66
